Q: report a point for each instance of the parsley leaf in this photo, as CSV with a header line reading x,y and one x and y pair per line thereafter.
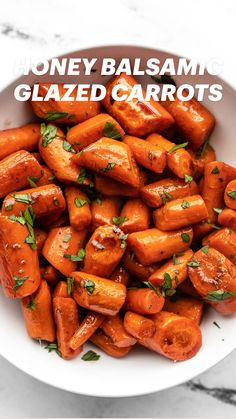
x,y
123,238
194,263
108,167
80,202
215,171
165,197
98,245
82,176
31,304
70,285
90,356
185,204
53,347
109,130
89,286
25,198
48,132
218,210
53,116
66,238
32,181
188,178
19,281
232,194
76,258
185,237
177,147
68,147
119,220
205,249
219,295
8,207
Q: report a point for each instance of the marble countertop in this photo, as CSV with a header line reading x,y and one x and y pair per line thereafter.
x,y
196,29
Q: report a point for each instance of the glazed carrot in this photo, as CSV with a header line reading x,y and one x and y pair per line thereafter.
x,y
61,290
158,193
175,270
78,208
19,266
65,112
147,154
192,120
154,245
66,316
187,288
15,170
49,273
40,238
103,211
135,216
120,275
62,247
56,155
113,327
47,177
102,125
201,158
137,117
98,294
104,250
135,268
223,240
216,176
178,161
112,158
191,308
37,312
214,277
180,213
86,329
110,187
176,337
22,138
138,326
104,342
45,200
227,218
230,195
144,301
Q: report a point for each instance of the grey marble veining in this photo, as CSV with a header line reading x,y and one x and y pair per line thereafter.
x,y
51,27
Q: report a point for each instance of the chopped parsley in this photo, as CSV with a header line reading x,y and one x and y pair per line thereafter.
x,y
194,263
19,282
215,171
68,147
80,202
110,166
24,198
70,285
31,304
89,286
185,204
188,178
177,147
185,237
66,238
76,258
109,130
90,356
53,116
219,295
119,220
48,133
232,194
205,249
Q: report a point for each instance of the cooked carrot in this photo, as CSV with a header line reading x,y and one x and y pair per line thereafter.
x,y
62,247
49,273
61,290
180,213
227,218
38,316
22,138
187,288
15,170
91,130
135,268
230,195
189,307
214,277
40,238
110,187
179,161
78,208
104,342
47,177
113,327
54,221
175,270
193,121
104,250
66,316
98,294
45,200
158,193
216,176
223,240
201,158
137,117
63,111
135,216
36,154
56,155
176,337
138,326
120,275
86,329
154,245
19,266
147,154
103,210
144,301
112,158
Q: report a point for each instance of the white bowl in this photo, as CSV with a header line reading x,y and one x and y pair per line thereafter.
x,y
142,371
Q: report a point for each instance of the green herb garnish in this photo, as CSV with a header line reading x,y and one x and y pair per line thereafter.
x,y
205,249
8,207
188,178
232,194
110,166
90,356
185,237
53,347
215,171
68,147
185,204
32,181
194,263
53,116
80,202
123,238
70,285
219,295
48,133
119,220
218,210
76,258
25,198
89,286
31,304
19,282
109,130
66,238
177,147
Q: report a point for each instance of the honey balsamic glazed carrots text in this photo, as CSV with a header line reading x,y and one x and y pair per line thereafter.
x,y
117,225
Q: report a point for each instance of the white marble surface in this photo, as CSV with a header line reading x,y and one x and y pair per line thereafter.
x,y
47,28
